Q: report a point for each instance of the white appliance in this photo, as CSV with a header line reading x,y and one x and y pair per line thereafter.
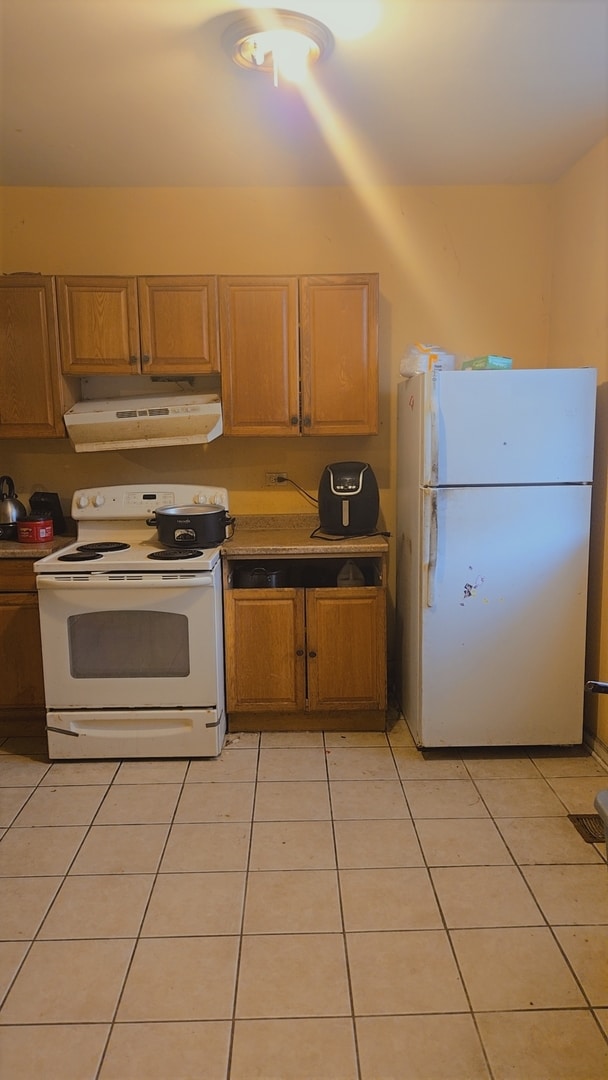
x,y
132,632
123,423
493,508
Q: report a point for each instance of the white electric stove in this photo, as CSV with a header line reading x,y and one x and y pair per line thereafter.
x,y
132,631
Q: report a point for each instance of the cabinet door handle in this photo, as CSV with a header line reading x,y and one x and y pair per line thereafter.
x,y
307,421
146,359
293,420
299,652
312,655
133,360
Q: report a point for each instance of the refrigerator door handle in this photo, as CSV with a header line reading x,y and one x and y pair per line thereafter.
x,y
430,544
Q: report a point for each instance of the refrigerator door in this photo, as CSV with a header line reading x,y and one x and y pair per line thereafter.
x,y
495,654
504,427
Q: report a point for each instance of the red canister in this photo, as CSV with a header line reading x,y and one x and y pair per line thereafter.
x,y
35,530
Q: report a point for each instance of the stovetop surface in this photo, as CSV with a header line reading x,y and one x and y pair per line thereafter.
x,y
135,557
119,516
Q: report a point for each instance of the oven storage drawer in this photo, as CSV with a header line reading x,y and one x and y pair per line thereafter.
x,y
122,734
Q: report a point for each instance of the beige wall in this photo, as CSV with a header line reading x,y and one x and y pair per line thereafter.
x,y
519,270
466,267
579,336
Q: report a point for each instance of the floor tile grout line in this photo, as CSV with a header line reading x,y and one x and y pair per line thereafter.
x,y
64,876
572,971
137,938
233,1018
516,862
351,996
548,925
447,931
413,820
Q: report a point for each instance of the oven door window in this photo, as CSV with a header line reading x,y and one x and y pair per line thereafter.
x,y
128,645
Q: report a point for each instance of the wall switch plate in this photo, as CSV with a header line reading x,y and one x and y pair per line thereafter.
x,y
272,479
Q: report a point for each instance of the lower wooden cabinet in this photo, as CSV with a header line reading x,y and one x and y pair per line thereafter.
x,y
346,636
265,649
22,685
306,657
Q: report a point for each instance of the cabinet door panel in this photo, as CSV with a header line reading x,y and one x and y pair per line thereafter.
x,y
22,684
339,354
98,325
264,633
17,575
346,645
178,324
31,402
258,334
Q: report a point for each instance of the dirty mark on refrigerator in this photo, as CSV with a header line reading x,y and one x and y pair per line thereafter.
x,y
470,590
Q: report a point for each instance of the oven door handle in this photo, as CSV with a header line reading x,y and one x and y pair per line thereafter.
x,y
124,581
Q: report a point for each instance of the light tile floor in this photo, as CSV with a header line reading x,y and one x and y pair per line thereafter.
x,y
306,907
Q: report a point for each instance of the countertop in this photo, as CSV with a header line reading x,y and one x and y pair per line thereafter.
x,y
12,549
285,535
279,535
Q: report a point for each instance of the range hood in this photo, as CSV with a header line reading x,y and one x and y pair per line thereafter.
x,y
127,423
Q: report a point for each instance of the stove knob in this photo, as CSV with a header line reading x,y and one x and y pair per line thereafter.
x,y
98,500
83,500
200,500
217,499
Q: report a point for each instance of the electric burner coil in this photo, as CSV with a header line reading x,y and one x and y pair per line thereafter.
x,y
169,554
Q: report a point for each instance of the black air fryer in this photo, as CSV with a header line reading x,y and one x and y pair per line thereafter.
x,y
349,502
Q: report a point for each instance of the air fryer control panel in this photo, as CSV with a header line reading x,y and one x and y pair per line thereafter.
x,y
347,483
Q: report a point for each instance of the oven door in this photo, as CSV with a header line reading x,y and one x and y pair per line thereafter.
x,y
131,640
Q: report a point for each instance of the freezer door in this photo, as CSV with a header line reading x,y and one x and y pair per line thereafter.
x,y
504,427
502,604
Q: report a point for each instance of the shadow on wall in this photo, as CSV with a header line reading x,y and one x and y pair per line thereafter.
x,y
598,565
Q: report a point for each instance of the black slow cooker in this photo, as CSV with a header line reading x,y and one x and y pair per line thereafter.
x,y
191,526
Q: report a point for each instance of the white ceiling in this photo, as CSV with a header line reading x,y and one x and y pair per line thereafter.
x,y
141,92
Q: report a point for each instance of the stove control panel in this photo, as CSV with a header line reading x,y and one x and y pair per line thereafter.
x,y
128,501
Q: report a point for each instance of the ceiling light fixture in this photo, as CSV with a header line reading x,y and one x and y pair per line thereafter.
x,y
284,42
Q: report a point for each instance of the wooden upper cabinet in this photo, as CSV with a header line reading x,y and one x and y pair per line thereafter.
x,y
300,355
149,326
339,354
98,325
259,349
33,393
178,325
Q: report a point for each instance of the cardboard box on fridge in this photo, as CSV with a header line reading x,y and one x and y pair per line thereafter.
x,y
486,363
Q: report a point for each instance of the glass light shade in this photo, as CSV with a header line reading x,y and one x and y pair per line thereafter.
x,y
283,42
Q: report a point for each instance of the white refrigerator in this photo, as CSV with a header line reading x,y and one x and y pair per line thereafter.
x,y
494,478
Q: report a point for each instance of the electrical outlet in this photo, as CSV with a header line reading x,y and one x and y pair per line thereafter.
x,y
272,479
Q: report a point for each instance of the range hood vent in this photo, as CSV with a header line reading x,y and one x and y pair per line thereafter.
x,y
128,423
